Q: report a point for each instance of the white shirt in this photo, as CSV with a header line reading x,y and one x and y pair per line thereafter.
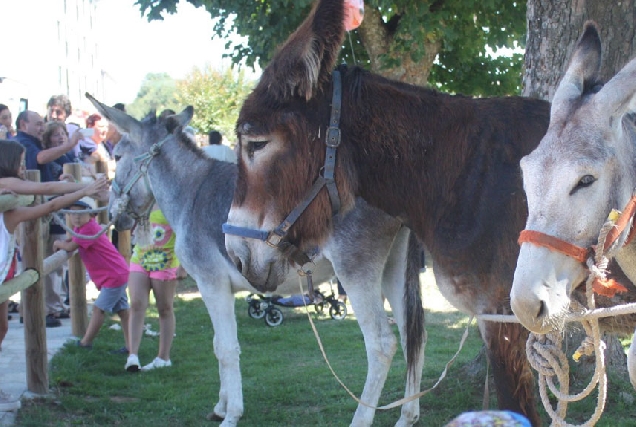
x,y
7,248
220,152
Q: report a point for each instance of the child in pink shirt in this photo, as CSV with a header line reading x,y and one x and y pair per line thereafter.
x,y
106,266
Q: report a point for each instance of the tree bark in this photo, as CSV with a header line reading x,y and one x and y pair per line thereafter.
x,y
553,29
377,38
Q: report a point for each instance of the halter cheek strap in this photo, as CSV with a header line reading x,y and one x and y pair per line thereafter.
x,y
143,161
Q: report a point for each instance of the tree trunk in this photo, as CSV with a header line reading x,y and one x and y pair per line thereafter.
x,y
553,29
377,38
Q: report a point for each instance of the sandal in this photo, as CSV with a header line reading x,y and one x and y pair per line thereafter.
x,y
13,307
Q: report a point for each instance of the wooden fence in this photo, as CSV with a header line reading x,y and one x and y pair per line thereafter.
x,y
31,283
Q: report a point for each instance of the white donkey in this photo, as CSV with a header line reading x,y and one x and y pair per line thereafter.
x,y
368,249
584,167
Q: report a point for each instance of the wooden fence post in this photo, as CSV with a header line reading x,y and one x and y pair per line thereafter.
x,y
102,167
77,275
33,303
123,244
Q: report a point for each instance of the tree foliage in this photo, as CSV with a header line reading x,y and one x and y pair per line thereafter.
x,y
157,92
464,29
216,97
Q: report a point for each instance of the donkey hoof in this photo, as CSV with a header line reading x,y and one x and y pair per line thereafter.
x,y
213,416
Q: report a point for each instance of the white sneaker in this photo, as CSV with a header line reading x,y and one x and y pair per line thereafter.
x,y
132,364
157,363
8,403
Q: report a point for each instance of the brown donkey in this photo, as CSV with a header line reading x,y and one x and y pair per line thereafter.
x,y
447,166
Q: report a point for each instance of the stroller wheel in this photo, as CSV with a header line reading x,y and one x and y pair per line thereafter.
x,y
274,317
254,311
320,307
338,311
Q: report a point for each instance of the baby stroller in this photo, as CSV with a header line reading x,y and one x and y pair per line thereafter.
x,y
260,306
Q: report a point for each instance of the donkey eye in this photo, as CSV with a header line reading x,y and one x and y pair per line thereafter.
x,y
256,145
584,182
117,158
253,146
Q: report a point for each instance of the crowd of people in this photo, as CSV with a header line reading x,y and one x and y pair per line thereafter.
x,y
47,144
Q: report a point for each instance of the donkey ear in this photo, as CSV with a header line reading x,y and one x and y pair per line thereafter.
x,y
618,96
306,60
181,119
121,120
582,72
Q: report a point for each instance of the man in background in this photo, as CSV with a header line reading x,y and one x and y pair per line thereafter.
x,y
217,150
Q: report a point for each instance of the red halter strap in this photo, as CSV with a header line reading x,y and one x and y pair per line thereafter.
x,y
550,242
578,253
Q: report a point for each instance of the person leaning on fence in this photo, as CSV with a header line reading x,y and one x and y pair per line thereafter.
x,y
153,265
106,266
12,167
30,130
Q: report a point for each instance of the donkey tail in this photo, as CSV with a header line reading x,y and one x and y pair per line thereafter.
x,y
415,322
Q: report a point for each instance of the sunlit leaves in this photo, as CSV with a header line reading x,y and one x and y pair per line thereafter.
x,y
465,28
216,97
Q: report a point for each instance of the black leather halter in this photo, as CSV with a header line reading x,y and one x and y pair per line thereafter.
x,y
276,238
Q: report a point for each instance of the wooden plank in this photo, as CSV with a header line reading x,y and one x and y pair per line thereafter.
x,y
17,284
55,261
9,201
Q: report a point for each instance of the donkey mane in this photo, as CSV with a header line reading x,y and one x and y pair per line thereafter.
x,y
172,126
184,141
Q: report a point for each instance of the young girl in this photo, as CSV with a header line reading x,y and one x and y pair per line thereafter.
x,y
12,167
107,267
153,267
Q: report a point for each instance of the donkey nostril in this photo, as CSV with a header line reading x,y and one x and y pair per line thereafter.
x,y
239,265
541,312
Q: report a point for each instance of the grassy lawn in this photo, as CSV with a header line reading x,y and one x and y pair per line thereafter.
x,y
285,380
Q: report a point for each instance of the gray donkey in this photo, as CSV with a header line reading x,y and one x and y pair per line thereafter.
x,y
371,253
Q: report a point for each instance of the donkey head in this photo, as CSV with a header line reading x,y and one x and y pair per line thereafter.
x,y
137,140
281,135
583,168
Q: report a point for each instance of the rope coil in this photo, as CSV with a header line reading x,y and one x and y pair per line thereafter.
x,y
546,356
119,207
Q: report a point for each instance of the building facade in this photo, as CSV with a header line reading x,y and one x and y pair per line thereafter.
x,y
51,47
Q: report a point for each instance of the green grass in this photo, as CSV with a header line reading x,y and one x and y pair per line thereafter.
x,y
285,380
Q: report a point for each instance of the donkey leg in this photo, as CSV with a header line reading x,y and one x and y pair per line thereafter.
x,y
219,300
404,295
365,297
631,361
514,381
